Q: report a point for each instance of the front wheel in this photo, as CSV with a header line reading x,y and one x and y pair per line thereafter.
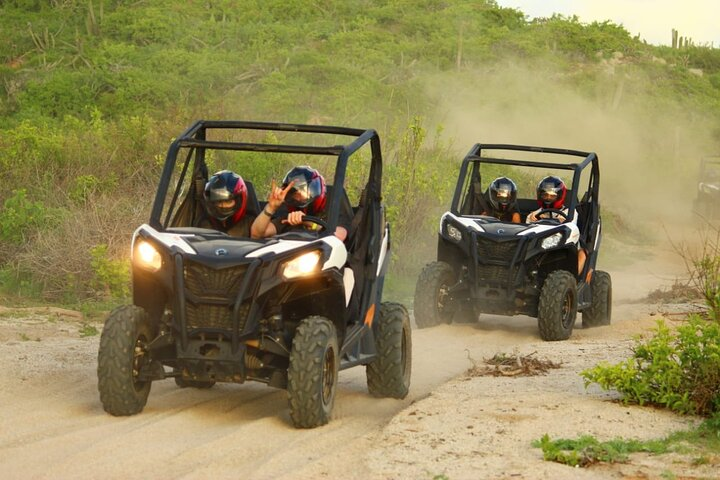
x,y
557,307
122,355
600,311
389,374
313,372
431,305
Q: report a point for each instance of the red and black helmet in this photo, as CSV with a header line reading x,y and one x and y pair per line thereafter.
x,y
308,192
551,192
222,188
502,193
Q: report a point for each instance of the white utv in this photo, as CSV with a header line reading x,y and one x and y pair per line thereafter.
x,y
289,311
485,265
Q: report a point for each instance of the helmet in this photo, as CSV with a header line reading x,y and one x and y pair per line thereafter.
x,y
222,188
551,192
308,192
503,193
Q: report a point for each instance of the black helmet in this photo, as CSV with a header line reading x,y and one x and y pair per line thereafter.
x,y
551,192
503,193
308,192
222,187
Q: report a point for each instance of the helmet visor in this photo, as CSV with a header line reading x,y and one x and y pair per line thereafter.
x,y
548,196
503,195
222,209
299,195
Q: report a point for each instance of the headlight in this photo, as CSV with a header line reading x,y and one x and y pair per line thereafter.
x,y
305,264
551,241
147,256
454,232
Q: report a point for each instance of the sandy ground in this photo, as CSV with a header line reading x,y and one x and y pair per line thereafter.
x,y
450,426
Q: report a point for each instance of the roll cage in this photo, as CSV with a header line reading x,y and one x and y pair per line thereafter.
x,y
473,159
195,138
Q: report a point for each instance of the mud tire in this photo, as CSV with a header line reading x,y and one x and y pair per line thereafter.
x,y
121,355
389,374
600,312
430,294
557,307
313,372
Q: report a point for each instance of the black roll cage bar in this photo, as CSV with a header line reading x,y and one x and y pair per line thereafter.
x,y
195,137
475,157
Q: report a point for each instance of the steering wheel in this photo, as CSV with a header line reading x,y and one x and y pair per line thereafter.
x,y
552,211
316,220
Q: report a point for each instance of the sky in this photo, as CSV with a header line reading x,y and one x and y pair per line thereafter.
x,y
653,20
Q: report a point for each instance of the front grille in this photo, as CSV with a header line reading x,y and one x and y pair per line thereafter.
x,y
204,315
214,283
495,274
213,295
489,250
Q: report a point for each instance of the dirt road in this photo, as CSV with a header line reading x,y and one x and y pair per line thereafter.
x,y
52,424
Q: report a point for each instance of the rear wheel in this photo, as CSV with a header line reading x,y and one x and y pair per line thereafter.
x,y
389,374
557,307
313,372
599,313
431,305
122,355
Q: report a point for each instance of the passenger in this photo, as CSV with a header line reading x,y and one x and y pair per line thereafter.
x,y
304,192
501,198
225,198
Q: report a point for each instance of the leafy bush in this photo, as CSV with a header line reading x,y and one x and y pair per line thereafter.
x,y
18,216
678,370
111,276
704,269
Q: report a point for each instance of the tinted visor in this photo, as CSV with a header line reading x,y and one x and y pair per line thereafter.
x,y
299,195
503,195
548,196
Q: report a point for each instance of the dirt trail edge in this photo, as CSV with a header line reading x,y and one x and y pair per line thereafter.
x,y
52,424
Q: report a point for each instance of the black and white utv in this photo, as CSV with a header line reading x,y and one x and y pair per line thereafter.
x,y
289,311
485,265
707,201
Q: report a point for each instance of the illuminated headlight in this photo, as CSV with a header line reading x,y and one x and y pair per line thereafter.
x,y
305,264
454,232
147,256
551,241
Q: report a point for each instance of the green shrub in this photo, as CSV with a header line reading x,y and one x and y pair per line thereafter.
x,y
19,216
678,370
587,450
111,276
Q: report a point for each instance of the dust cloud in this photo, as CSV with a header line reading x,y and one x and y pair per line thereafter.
x,y
649,147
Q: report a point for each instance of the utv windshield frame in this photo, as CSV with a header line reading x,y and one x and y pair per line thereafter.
x,y
195,139
475,157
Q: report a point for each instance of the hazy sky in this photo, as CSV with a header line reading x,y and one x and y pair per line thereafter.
x,y
652,19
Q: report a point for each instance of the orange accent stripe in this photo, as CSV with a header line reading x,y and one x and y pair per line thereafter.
x,y
370,315
252,343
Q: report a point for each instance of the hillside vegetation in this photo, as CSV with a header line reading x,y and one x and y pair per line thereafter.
x,y
92,92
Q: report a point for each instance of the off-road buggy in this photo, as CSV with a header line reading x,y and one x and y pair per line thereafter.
x,y
485,265
288,311
707,201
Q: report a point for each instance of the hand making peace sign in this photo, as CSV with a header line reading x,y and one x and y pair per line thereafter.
x,y
277,195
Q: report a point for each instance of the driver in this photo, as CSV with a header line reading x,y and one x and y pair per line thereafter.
x,y
303,192
551,193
